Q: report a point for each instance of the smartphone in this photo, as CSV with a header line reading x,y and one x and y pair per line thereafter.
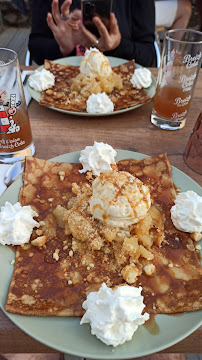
x,y
91,8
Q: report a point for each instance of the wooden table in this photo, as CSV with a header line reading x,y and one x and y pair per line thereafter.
x,y
56,133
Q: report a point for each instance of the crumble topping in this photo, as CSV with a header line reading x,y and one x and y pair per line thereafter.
x,y
130,247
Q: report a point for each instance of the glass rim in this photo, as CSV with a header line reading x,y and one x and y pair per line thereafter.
x,y
10,51
167,36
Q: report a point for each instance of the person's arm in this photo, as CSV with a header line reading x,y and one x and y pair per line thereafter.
x,y
140,45
47,49
42,44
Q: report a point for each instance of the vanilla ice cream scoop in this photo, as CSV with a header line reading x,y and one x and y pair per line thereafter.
x,y
94,63
141,78
119,199
114,314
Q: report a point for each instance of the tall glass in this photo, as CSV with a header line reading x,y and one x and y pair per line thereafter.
x,y
180,65
15,131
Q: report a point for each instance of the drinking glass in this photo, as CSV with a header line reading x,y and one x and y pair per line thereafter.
x,y
180,65
15,132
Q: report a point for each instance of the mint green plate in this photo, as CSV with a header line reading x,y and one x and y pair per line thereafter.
x,y
66,334
75,61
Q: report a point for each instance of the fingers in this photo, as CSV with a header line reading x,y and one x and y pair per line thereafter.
x,y
50,22
55,11
88,39
74,19
109,40
101,27
74,25
65,7
113,24
76,15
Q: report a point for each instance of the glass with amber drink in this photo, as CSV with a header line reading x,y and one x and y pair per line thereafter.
x,y
15,132
180,64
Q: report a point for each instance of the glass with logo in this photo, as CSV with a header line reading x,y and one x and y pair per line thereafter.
x,y
15,132
180,64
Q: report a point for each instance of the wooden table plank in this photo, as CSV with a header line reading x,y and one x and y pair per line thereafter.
x,y
57,133
6,36
16,38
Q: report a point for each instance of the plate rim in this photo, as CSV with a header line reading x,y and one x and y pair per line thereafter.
x,y
113,355
35,94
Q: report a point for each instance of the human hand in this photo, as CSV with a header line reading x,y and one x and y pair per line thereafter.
x,y
109,40
65,26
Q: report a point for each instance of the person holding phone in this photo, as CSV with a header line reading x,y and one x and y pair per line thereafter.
x,y
57,29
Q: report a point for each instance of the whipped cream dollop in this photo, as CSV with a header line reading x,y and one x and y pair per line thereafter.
x,y
97,158
186,214
41,80
94,63
16,224
99,104
119,199
141,78
114,315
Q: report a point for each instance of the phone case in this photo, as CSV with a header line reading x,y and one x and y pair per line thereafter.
x,y
91,8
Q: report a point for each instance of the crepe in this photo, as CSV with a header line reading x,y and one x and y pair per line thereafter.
x,y
55,278
62,97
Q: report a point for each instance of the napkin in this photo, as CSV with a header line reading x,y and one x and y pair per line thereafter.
x,y
3,169
24,76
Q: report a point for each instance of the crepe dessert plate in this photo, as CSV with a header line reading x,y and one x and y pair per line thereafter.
x,y
61,98
45,293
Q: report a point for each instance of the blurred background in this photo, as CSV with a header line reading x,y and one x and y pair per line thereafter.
x,y
15,25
